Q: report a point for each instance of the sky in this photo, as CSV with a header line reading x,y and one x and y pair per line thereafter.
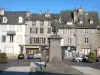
x,y
54,6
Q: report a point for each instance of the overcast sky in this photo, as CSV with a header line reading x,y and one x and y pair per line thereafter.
x,y
53,5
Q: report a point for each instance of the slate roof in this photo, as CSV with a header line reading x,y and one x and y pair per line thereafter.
x,y
42,17
13,17
86,20
65,15
68,16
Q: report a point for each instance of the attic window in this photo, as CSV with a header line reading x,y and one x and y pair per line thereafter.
x,y
81,22
69,23
20,20
5,20
91,21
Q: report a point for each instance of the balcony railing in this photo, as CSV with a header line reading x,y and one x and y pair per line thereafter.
x,y
11,33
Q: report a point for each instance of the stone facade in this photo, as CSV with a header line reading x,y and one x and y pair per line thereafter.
x,y
79,31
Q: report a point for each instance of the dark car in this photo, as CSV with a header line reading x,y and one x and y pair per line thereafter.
x,y
85,58
30,56
98,59
21,56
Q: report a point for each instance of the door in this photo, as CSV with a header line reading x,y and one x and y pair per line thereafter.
x,y
66,53
95,52
70,54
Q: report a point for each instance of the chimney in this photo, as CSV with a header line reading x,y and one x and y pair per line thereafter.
x,y
75,15
47,14
40,12
28,13
80,10
2,10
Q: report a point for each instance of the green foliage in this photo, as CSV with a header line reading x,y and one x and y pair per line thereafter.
x,y
91,57
3,57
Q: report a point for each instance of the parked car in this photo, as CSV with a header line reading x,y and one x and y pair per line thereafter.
x,y
21,56
38,56
98,59
30,56
80,58
85,58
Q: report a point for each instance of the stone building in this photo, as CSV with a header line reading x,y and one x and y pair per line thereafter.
x,y
79,30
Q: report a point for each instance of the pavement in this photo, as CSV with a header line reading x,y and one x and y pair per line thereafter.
x,y
86,68
13,67
23,67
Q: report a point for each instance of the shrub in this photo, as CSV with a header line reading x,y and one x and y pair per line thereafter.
x,y
91,57
3,57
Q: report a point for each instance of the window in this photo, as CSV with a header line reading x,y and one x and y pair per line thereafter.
x,y
93,30
69,23
3,38
3,28
33,30
49,23
86,40
41,23
69,31
34,23
49,30
86,50
37,40
11,27
19,28
19,38
91,22
30,40
5,20
62,42
20,20
86,30
41,30
69,41
11,38
81,22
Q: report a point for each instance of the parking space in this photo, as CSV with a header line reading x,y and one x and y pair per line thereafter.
x,y
95,65
86,68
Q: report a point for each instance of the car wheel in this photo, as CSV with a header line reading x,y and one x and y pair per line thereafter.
x,y
78,60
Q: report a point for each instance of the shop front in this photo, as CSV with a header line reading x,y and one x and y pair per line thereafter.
x,y
68,51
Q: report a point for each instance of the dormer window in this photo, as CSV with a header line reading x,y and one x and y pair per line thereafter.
x,y
5,20
91,21
81,22
20,20
69,23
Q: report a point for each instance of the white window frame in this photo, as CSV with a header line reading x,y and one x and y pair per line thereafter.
x,y
5,20
91,22
86,40
3,28
20,20
69,40
19,28
18,38
69,23
69,31
81,22
11,27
